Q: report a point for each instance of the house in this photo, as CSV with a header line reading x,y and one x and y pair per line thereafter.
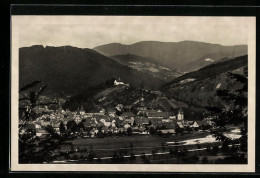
x,y
194,125
130,121
170,131
119,107
156,122
127,115
180,125
102,99
126,126
93,132
141,121
42,133
104,129
157,115
98,118
29,128
77,119
90,123
135,130
128,107
38,126
111,112
143,131
172,117
94,114
106,122
56,127
121,123
115,130
102,111
171,125
218,86
166,120
118,83
121,129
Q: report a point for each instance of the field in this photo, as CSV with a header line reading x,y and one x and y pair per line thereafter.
x,y
197,147
126,145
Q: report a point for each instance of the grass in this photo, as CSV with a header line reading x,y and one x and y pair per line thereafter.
x,y
104,147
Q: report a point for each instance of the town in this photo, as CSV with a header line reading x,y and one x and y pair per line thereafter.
x,y
116,131
120,120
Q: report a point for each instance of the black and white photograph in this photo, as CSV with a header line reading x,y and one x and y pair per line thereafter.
x,y
133,93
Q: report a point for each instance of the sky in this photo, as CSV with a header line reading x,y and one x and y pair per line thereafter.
x,y
92,31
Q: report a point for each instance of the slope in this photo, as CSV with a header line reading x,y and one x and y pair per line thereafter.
x,y
69,69
176,55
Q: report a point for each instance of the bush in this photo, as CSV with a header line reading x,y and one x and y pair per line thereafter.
x,y
75,157
205,160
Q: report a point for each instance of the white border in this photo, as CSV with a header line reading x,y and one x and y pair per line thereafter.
x,y
250,167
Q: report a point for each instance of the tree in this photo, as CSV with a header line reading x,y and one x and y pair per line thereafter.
x,y
131,146
205,160
30,149
134,124
232,112
91,155
72,126
154,151
62,128
129,131
132,156
152,131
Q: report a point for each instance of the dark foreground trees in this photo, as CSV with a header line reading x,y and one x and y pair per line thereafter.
x,y
233,112
31,148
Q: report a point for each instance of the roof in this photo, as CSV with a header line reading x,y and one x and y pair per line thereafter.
x,y
55,125
195,124
142,129
158,114
203,122
218,86
141,120
42,131
128,106
111,110
127,114
99,117
89,122
167,131
171,125
180,125
29,126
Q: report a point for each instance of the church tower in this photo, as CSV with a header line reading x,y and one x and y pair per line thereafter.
x,y
180,116
82,111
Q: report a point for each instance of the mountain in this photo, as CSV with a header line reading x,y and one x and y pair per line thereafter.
x,y
184,56
147,65
106,96
198,88
69,69
210,71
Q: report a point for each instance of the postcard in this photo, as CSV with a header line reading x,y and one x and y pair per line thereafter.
x,y
133,93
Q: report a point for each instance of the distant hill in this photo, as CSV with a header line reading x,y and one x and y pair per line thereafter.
x,y
198,88
182,56
210,70
69,69
147,65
